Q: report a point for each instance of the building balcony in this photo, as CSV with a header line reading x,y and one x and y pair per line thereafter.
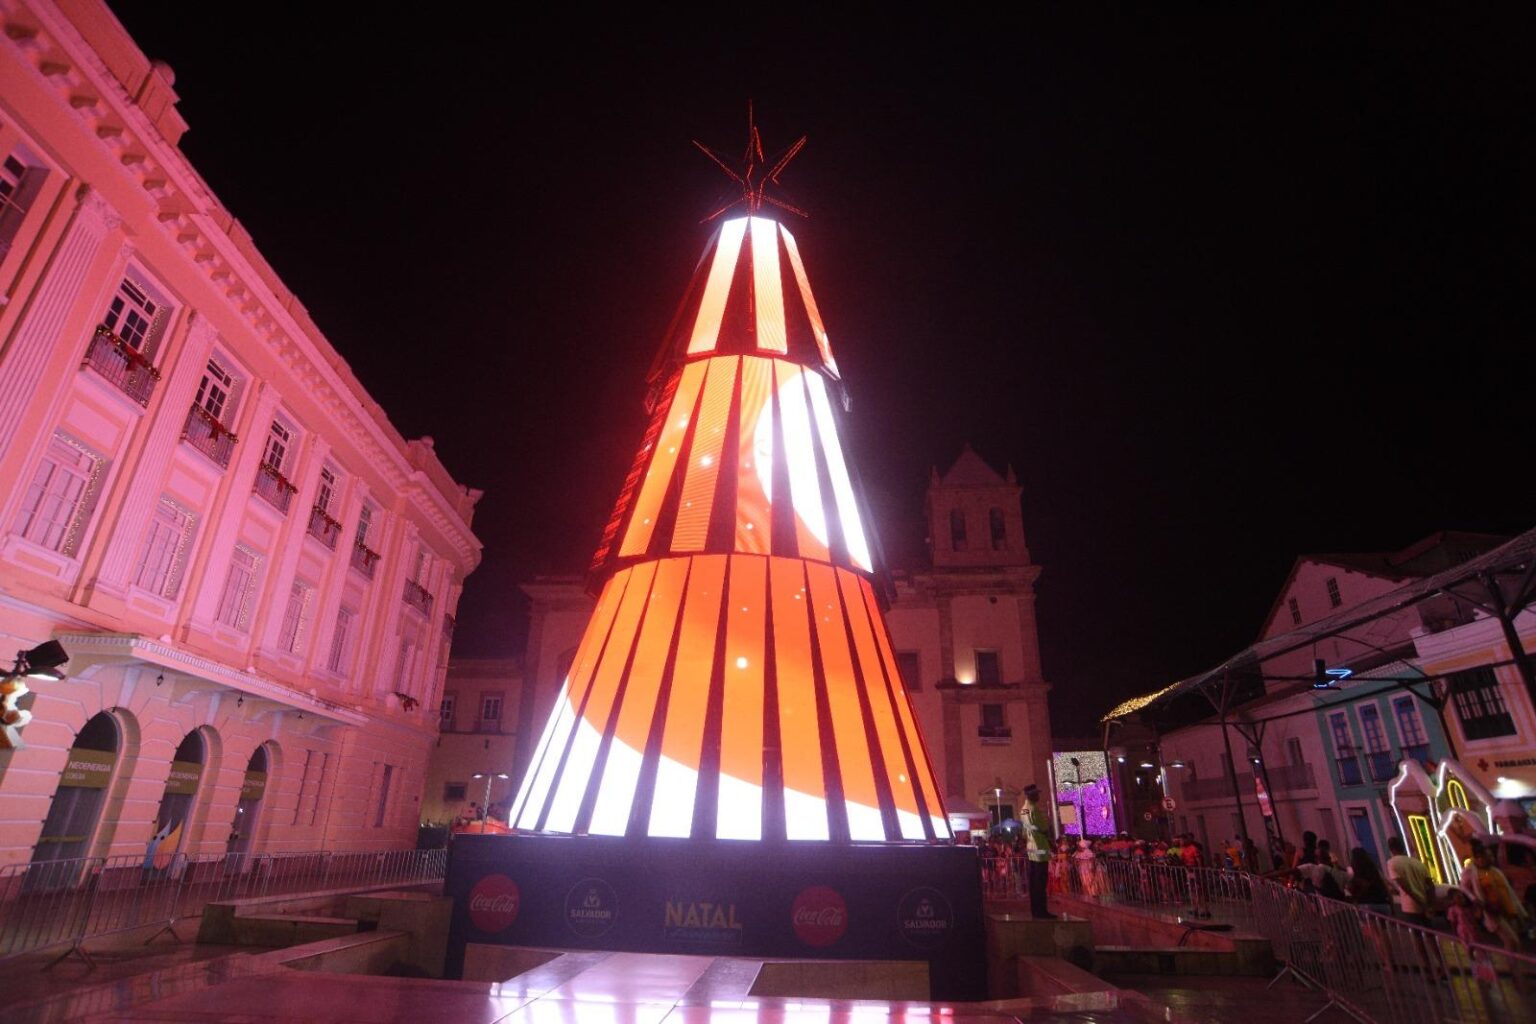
x,y
364,559
1382,766
1349,770
204,432
417,597
122,364
274,487
488,725
1416,752
323,528
995,735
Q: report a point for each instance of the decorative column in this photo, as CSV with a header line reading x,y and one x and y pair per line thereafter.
x,y
142,483
228,511
40,330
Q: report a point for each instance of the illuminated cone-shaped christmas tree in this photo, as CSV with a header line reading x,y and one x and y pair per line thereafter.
x,y
736,680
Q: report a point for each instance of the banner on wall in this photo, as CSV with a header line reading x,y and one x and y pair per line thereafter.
x,y
88,769
184,777
254,787
862,903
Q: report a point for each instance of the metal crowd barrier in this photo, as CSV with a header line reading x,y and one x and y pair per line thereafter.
x,y
53,903
1370,966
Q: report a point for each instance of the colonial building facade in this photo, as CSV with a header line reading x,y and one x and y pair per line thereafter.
x,y
962,626
1327,759
253,573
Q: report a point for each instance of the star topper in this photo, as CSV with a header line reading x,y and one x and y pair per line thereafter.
x,y
753,172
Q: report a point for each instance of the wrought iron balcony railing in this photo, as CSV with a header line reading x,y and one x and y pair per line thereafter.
x,y
323,528
204,432
995,735
274,487
122,364
417,597
364,559
1416,752
1383,767
1349,769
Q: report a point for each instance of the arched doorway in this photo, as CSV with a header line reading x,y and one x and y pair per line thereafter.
x,y
175,812
242,831
82,791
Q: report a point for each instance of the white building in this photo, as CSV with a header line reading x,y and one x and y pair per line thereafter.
x,y
253,573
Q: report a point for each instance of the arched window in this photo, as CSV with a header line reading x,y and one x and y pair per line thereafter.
x,y
253,789
172,818
957,529
81,792
1456,795
999,529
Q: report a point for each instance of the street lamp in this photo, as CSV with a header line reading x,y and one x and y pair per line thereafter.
x,y
485,806
41,662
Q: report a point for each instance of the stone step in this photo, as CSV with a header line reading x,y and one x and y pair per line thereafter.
x,y
1177,960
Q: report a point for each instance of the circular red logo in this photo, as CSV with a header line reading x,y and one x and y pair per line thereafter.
x,y
493,903
820,916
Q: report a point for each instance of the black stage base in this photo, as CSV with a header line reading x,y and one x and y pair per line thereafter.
x,y
789,900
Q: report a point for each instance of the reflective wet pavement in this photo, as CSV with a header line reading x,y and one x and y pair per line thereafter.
x,y
592,988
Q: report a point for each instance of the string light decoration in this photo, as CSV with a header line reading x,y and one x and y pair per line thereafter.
x,y
736,679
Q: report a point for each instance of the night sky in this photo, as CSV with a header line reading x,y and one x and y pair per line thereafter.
x,y
1222,289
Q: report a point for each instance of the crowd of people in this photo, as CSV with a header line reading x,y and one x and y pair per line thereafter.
x,y
1483,910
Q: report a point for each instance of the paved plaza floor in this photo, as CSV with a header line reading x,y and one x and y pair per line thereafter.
x,y
196,984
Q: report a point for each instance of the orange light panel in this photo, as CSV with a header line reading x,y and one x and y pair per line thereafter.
x,y
897,777
837,469
677,772
823,343
800,455
754,461
909,724
706,329
703,469
593,722
637,539
626,750
739,814
853,755
767,286
541,770
805,794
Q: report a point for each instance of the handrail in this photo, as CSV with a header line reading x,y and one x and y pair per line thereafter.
x,y
55,903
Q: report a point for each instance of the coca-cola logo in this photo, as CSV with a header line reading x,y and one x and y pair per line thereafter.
x,y
925,917
819,915
493,903
590,907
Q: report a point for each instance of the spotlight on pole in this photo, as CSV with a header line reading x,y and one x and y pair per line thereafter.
x,y
41,662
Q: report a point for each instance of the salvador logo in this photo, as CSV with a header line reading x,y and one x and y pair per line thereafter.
x,y
819,915
925,918
493,903
590,908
